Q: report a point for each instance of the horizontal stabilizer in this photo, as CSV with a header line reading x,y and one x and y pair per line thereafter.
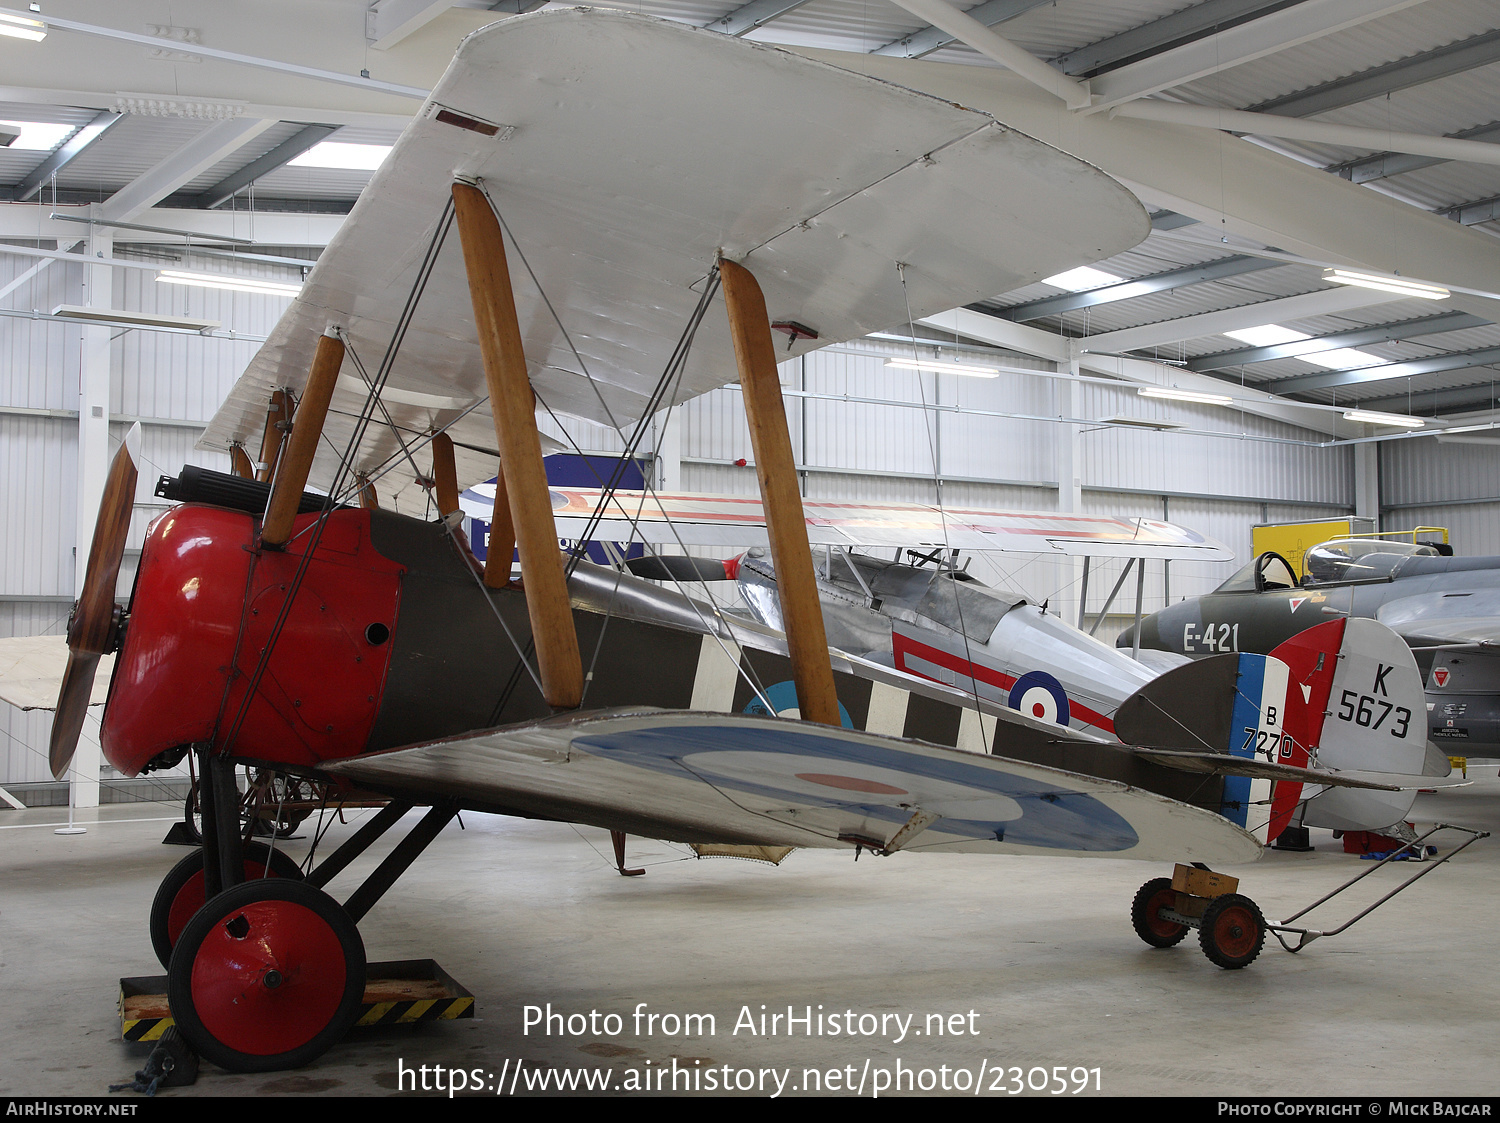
x,y
1223,764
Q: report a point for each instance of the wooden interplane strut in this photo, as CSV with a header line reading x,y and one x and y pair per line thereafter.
x,y
513,406
796,586
273,438
291,477
502,545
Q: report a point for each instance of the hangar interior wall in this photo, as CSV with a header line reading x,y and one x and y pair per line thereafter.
x,y
861,431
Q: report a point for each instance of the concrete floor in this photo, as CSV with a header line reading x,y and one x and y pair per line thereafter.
x,y
1040,950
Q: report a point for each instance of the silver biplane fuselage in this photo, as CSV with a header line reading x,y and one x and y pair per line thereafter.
x,y
940,623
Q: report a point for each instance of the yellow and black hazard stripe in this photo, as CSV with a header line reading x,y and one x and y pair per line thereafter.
x,y
411,1012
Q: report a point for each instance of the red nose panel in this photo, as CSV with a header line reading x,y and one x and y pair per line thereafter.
x,y
205,601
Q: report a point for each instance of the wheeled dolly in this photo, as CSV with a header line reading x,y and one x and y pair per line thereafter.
x,y
1231,928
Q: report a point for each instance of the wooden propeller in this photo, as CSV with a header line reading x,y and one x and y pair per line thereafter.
x,y
95,624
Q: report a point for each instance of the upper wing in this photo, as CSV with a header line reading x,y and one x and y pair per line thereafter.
x,y
738,520
624,153
731,778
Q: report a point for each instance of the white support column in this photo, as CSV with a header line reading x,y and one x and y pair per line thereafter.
x,y
1367,481
1068,464
93,467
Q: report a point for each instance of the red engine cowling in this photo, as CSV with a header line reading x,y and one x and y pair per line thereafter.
x,y
205,605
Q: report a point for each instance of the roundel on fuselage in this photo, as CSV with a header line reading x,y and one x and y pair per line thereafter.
x,y
1037,694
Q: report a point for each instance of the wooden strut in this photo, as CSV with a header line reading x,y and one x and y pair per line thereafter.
x,y
513,406
368,500
291,477
444,475
239,462
502,546
273,438
796,587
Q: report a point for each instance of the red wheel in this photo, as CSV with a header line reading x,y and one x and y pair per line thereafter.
x,y
1232,932
267,976
1150,899
181,895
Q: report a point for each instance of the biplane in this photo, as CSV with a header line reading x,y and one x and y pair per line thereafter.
x,y
554,232
922,613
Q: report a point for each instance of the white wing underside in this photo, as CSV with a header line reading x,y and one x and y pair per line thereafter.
x,y
627,153
737,521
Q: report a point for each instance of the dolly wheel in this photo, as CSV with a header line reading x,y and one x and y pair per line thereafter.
x,y
180,895
1233,931
1150,899
268,975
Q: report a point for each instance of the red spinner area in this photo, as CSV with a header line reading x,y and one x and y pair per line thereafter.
x,y
201,582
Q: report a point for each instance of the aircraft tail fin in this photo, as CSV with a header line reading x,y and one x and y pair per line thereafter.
x,y
1344,696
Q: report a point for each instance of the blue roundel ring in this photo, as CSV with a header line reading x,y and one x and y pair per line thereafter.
x,y
783,697
1037,694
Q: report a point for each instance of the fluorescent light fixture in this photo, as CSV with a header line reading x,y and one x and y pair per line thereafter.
x,y
133,319
1472,428
1084,277
1140,422
38,136
1386,284
937,367
337,154
1374,418
1267,335
1175,395
19,27
227,281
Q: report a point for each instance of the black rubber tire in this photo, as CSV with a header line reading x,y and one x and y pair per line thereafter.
x,y
222,968
160,925
1233,931
1155,931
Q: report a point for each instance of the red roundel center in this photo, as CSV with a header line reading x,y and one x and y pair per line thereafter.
x,y
849,783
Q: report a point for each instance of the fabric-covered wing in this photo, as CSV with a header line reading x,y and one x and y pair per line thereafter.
x,y
624,153
707,777
738,520
31,672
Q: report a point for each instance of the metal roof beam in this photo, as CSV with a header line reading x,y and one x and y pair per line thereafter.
x,y
930,39
747,17
1384,372
1175,30
65,155
1157,282
1471,214
1459,401
1287,27
1355,337
282,154
1319,303
194,158
1385,164
1414,70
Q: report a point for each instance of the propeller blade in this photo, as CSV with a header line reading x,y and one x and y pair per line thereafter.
x,y
72,708
91,633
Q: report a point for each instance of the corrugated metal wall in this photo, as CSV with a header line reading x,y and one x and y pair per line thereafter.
x,y
862,430
1424,483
